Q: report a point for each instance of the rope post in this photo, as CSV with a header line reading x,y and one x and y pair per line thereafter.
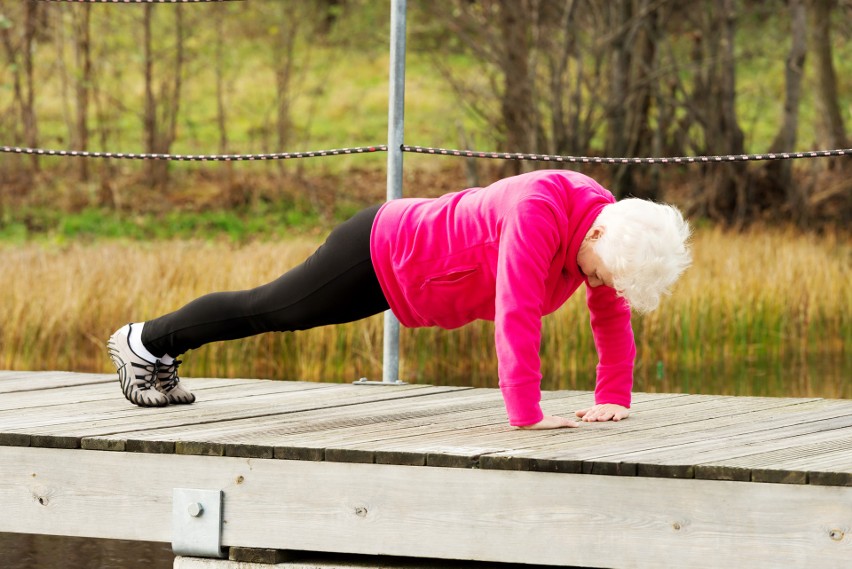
x,y
396,114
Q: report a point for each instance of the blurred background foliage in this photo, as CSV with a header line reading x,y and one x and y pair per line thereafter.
x,y
578,77
765,310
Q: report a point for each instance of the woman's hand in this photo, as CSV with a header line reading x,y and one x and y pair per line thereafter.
x,y
551,422
604,412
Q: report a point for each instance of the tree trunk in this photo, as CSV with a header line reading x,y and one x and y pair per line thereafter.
x,y
516,104
634,53
558,54
779,176
174,93
161,115
150,113
221,111
84,83
619,16
646,81
28,114
17,88
830,128
285,47
723,195
831,180
284,52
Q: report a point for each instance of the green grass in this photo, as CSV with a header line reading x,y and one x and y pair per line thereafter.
x,y
96,224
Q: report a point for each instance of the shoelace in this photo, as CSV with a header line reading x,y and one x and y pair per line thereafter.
x,y
169,379
148,378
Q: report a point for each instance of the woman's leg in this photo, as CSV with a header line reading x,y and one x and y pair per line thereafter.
x,y
334,285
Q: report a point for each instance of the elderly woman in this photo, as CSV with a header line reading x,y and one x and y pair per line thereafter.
x,y
512,252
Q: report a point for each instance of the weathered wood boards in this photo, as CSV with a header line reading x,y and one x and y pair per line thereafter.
x,y
436,472
800,441
454,513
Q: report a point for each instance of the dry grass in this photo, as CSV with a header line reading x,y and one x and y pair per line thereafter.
x,y
766,312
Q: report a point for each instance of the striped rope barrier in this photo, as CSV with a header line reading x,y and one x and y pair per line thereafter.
x,y
610,160
437,152
194,157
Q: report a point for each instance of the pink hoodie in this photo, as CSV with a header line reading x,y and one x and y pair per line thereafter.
x,y
506,253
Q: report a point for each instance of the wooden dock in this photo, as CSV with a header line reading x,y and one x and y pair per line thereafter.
x,y
435,473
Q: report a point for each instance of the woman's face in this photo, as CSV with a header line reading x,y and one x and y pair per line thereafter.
x,y
590,263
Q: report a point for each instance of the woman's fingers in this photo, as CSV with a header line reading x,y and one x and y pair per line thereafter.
x,y
604,412
597,413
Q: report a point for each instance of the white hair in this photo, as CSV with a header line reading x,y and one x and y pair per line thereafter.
x,y
645,246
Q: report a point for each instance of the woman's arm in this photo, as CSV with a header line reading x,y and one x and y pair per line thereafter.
x,y
613,334
529,240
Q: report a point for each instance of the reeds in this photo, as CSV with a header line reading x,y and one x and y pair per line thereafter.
x,y
766,312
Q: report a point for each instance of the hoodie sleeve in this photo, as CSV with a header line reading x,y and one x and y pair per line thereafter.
x,y
529,240
613,334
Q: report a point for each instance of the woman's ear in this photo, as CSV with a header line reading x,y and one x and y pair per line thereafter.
x,y
595,233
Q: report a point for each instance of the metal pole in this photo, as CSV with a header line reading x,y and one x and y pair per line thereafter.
x,y
396,113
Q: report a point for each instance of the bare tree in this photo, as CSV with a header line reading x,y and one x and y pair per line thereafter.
x,y
219,66
779,178
161,110
633,70
830,128
711,104
78,77
284,50
20,48
28,112
83,57
542,70
291,52
516,105
11,47
831,182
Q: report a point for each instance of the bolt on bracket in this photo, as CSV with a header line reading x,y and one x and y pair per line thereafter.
x,y
197,523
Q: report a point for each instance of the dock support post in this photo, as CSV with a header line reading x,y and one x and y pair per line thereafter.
x,y
396,112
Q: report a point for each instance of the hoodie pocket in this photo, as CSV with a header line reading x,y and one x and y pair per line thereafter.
x,y
455,277
453,297
453,290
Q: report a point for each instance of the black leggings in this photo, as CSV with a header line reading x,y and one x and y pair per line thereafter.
x,y
336,284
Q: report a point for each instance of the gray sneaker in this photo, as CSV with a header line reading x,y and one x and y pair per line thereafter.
x,y
138,376
168,383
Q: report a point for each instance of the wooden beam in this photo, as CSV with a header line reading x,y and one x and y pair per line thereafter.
x,y
432,512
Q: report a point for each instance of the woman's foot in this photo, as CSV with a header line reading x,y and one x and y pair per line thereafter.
x,y
138,376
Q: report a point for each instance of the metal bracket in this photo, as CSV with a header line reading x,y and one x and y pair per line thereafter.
x,y
365,381
197,523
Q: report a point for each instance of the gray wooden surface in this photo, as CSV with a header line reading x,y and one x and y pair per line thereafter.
x,y
778,440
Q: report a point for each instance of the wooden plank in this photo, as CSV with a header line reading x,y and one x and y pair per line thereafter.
x,y
396,438
109,391
111,405
505,516
617,448
790,461
248,437
459,429
50,421
15,381
130,420
731,437
463,436
316,435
